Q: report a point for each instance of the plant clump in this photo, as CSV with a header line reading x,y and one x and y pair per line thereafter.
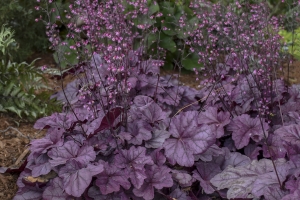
x,y
128,133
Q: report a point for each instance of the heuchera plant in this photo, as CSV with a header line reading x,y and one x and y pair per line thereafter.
x,y
128,133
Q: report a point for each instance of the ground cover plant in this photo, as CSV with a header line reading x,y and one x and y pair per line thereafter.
x,y
128,133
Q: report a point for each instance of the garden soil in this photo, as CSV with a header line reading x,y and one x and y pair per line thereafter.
x,y
15,134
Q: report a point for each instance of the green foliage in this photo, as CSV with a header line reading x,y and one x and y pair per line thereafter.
x,y
30,36
7,43
292,40
18,83
64,56
171,36
28,104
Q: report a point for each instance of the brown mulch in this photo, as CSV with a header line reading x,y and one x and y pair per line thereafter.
x,y
15,134
14,141
294,73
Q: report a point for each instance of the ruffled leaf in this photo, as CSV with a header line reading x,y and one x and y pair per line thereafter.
x,y
244,127
133,161
111,179
157,177
55,191
188,138
77,178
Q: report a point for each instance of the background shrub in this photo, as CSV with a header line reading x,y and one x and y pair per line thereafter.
x,y
30,36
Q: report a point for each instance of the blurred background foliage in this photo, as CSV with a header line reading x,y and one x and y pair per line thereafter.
x,y
30,36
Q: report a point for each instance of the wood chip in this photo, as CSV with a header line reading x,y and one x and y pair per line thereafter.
x,y
21,157
42,178
2,178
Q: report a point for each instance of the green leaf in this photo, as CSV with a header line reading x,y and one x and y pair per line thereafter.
x,y
15,110
151,38
168,28
168,65
183,33
153,8
8,89
188,11
15,91
191,62
143,20
65,56
167,42
33,114
167,8
20,103
2,109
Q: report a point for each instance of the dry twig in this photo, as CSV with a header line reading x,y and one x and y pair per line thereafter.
x,y
20,133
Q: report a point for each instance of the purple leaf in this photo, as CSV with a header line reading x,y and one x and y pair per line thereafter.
x,y
240,181
124,136
42,166
23,174
262,185
71,151
157,177
86,154
204,173
153,113
171,97
150,66
56,120
158,138
182,177
245,107
95,193
252,151
148,85
77,178
292,185
99,68
211,116
179,195
206,156
90,128
294,196
55,191
29,193
139,131
275,193
235,159
245,90
109,119
142,102
52,139
111,179
133,160
275,147
244,127
294,116
289,134
158,157
189,138
229,144
70,91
